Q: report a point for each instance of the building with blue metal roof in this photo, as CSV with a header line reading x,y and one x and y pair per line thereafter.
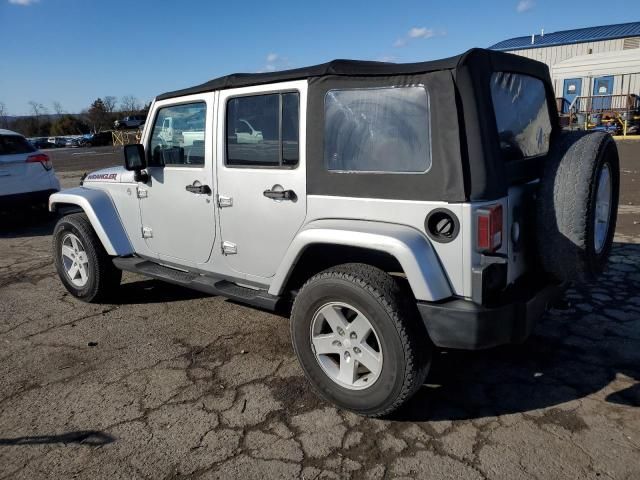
x,y
570,37
601,61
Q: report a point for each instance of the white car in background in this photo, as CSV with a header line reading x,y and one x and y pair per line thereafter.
x,y
26,174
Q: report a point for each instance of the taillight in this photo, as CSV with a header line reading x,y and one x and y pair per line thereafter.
x,y
489,228
40,158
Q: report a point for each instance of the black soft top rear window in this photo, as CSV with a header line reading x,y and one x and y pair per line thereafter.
x,y
522,115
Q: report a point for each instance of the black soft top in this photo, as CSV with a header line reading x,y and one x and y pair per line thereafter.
x,y
464,137
354,68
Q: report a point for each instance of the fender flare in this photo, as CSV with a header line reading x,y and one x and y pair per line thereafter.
x,y
102,214
409,246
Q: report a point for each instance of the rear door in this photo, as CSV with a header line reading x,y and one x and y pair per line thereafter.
x,y
524,127
261,174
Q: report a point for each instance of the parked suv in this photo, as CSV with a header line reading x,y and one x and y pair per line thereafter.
x,y
96,139
391,208
131,121
26,174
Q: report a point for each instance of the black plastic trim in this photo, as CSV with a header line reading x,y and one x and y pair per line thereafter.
x,y
202,283
462,324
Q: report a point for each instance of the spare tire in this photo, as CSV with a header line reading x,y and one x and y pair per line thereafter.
x,y
577,205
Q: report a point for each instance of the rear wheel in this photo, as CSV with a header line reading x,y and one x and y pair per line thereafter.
x,y
577,205
359,339
83,265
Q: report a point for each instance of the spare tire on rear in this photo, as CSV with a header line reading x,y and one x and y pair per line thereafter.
x,y
577,205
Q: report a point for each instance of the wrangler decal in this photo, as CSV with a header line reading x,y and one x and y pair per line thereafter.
x,y
102,176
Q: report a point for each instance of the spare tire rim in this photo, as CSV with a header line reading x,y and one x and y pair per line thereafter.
x,y
346,346
74,260
603,209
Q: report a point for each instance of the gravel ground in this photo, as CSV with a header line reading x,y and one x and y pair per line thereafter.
x,y
169,383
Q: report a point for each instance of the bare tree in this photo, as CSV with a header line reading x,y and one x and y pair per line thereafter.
x,y
110,103
57,107
3,115
129,104
38,109
36,124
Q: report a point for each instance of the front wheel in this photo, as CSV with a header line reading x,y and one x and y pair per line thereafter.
x,y
359,339
83,265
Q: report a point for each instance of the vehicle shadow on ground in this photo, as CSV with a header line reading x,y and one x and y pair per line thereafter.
x,y
153,291
573,353
84,437
30,222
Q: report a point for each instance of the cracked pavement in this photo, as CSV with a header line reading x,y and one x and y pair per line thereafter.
x,y
172,384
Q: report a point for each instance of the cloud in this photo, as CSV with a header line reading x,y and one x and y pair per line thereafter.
x,y
524,5
24,3
273,62
423,32
416,33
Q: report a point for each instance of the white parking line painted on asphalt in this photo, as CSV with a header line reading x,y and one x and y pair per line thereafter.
x,y
94,154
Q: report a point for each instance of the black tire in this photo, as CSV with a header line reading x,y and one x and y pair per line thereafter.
x,y
392,312
566,205
103,276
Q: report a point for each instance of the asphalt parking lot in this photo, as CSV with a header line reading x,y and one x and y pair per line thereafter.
x,y
171,384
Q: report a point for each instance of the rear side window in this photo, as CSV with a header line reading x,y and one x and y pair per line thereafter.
x,y
262,130
522,115
14,145
377,130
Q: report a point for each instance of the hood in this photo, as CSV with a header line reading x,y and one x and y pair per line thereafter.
x,y
110,175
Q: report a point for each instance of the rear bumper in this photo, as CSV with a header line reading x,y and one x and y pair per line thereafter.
x,y
26,198
466,325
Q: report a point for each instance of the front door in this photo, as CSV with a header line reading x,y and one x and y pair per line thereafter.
x,y
572,89
176,204
261,174
602,86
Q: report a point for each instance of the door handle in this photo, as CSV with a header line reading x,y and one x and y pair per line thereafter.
x,y
198,189
280,194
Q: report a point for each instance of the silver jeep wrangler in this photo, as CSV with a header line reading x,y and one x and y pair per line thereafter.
x,y
390,208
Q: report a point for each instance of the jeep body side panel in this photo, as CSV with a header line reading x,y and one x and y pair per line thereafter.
x,y
405,212
102,214
410,247
123,191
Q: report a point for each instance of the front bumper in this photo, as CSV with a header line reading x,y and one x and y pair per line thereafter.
x,y
466,325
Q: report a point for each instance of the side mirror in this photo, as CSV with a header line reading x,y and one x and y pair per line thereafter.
x,y
135,160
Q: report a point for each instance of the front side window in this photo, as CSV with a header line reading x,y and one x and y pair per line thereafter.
x,y
522,115
177,137
262,130
379,130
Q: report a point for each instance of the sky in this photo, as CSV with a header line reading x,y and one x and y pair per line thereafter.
x,y
74,51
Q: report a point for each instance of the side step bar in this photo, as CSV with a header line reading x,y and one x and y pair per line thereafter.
x,y
202,283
